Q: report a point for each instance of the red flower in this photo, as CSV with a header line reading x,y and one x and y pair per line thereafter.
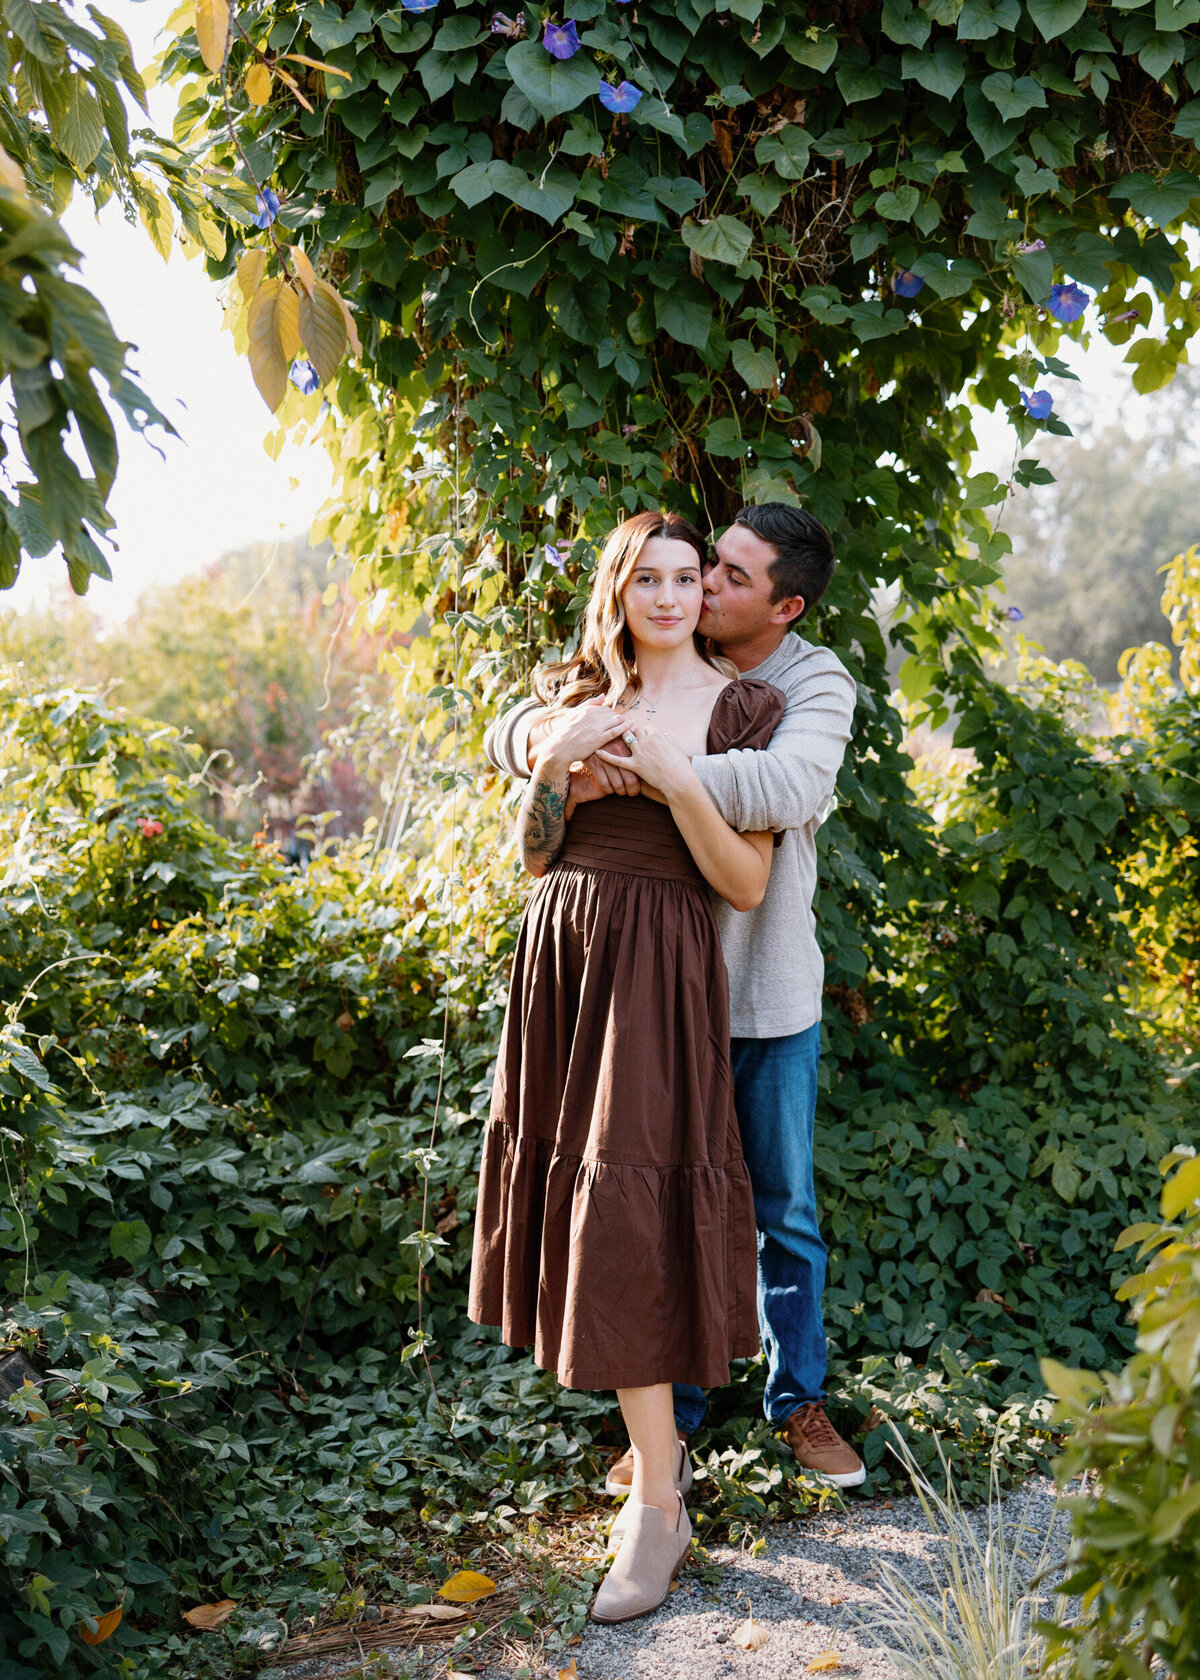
x,y
150,826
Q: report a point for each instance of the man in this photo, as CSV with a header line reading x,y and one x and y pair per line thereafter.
x,y
772,566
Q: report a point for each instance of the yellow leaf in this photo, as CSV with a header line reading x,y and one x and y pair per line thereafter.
x,y
210,1615
466,1586
304,269
752,1635
323,329
1182,1188
317,64
273,339
155,214
251,268
212,31
351,329
106,1626
570,1672
258,84
827,1660
293,84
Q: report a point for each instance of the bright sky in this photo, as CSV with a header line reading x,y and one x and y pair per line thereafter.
x,y
214,488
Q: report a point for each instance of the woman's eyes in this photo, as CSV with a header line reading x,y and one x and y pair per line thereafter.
x,y
684,577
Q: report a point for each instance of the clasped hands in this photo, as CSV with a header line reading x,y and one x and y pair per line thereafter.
x,y
590,738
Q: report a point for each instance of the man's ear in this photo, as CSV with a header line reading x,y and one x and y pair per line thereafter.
x,y
788,610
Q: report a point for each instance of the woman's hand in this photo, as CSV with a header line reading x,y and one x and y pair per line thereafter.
x,y
577,733
653,756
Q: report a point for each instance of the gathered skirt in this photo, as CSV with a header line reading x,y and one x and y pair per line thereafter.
x,y
615,1223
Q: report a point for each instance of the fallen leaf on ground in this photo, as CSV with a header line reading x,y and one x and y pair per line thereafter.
x,y
751,1635
570,1672
106,1626
210,1615
466,1587
827,1660
433,1613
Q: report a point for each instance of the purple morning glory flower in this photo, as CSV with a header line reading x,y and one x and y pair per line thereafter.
x,y
905,283
620,98
1028,246
1067,303
1014,615
267,205
514,28
556,556
561,40
1125,315
304,377
1037,404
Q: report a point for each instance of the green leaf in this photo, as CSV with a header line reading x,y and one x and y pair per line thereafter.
x,y
1013,96
1159,201
1159,52
905,23
763,193
686,319
1187,123
788,151
330,27
1035,273
811,48
980,20
941,71
459,32
724,438
25,23
79,133
899,205
1054,17
552,86
1078,1388
1065,1176
723,240
758,368
129,1239
1173,1515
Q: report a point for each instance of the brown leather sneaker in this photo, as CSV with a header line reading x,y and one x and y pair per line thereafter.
x,y
620,1472
818,1446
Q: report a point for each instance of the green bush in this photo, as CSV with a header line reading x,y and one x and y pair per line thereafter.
x,y
1135,1555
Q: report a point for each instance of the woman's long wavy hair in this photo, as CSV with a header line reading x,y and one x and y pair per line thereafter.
x,y
604,664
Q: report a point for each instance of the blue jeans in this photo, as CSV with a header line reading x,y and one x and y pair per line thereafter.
x,y
775,1092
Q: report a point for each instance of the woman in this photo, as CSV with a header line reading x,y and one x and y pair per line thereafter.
x,y
615,1226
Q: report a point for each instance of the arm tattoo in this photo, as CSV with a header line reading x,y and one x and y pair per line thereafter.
x,y
541,823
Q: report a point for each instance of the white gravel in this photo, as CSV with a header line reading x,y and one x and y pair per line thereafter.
x,y
805,1587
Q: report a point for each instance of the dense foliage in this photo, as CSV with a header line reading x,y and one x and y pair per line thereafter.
x,y
220,1081
1136,1550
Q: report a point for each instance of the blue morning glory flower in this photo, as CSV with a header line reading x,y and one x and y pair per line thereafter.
x,y
905,283
620,98
556,556
1067,303
418,5
1037,404
561,40
1028,246
1014,615
304,377
267,205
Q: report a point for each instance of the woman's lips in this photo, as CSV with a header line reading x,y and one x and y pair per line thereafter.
x,y
666,622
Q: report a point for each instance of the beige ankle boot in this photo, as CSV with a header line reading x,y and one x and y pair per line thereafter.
x,y
651,1554
683,1482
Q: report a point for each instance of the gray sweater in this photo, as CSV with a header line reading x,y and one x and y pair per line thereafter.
x,y
775,965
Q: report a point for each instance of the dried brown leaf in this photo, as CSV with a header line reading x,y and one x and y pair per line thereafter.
x,y
751,1635
210,1615
822,1664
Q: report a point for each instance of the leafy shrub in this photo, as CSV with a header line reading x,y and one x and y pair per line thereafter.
x,y
1136,1550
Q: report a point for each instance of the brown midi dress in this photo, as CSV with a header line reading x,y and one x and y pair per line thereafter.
x,y
615,1224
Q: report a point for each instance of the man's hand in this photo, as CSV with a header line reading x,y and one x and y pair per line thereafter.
x,y
581,791
610,777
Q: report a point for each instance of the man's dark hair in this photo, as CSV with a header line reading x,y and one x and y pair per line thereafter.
x,y
804,550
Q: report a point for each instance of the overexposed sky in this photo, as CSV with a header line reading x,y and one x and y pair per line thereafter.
x,y
214,488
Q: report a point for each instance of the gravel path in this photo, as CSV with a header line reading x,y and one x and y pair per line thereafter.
x,y
805,1587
